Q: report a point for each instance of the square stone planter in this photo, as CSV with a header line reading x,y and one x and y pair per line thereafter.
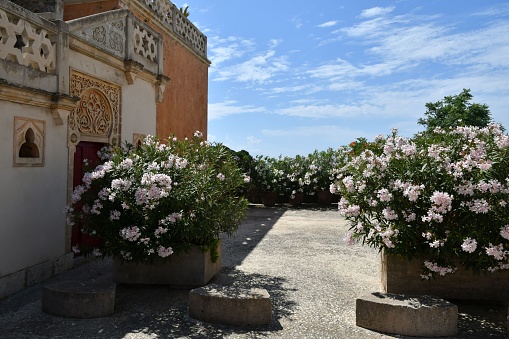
x,y
401,276
192,269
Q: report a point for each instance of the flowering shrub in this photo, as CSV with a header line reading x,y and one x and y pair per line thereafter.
x,y
442,195
271,174
148,202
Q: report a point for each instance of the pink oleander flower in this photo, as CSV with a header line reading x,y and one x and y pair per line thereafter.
x,y
164,252
504,232
496,251
130,233
469,245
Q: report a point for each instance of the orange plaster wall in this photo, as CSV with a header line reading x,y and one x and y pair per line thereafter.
x,y
80,10
184,108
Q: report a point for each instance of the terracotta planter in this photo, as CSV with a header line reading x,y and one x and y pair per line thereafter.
x,y
324,197
192,269
269,199
400,276
297,199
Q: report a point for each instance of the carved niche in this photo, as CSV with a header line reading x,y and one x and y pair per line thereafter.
x,y
97,115
29,140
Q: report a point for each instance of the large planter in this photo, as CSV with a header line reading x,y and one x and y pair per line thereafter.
x,y
324,198
401,276
269,199
297,199
191,269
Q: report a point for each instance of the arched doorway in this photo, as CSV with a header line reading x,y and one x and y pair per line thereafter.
x,y
94,123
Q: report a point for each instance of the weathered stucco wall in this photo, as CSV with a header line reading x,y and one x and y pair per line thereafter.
x,y
32,198
184,108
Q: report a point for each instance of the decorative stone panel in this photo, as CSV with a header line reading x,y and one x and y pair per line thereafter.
x,y
109,35
97,116
29,141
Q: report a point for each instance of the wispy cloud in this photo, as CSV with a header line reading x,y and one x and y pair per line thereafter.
x,y
225,49
224,109
259,68
376,11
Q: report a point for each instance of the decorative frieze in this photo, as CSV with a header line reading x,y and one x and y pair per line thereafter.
x,y
109,35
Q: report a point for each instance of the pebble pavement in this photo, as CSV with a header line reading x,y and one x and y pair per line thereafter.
x,y
296,254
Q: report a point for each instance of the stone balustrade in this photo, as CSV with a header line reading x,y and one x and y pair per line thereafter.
x,y
27,39
171,17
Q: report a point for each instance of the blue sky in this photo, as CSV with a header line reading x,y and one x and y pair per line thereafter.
x,y
289,77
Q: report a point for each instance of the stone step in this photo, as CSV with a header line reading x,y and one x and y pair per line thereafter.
x,y
79,299
230,305
419,316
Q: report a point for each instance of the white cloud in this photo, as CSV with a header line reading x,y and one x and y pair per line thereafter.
x,y
224,49
376,11
328,24
253,140
259,69
224,109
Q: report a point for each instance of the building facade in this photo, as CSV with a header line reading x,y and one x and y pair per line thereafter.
x,y
76,76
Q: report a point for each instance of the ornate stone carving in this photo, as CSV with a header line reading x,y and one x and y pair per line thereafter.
x,y
116,42
98,113
99,35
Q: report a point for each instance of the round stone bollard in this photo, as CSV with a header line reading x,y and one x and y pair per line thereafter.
x,y
76,299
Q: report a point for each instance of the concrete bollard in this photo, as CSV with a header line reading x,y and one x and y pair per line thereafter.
x,y
76,299
229,305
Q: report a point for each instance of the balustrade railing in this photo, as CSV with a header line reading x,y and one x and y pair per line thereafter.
x,y
173,18
27,39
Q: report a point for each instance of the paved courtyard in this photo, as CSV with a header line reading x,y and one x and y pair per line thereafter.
x,y
297,255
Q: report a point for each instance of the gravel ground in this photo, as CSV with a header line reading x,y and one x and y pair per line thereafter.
x,y
296,254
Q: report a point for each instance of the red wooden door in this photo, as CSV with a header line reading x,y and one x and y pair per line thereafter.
x,y
85,151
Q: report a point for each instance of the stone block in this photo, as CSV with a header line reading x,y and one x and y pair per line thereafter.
x,y
419,316
39,273
230,305
77,299
63,263
12,283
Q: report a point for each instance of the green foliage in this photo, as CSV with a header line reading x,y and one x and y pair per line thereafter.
x,y
185,11
148,201
456,110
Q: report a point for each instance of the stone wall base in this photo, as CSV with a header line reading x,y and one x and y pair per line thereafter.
x,y
32,275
